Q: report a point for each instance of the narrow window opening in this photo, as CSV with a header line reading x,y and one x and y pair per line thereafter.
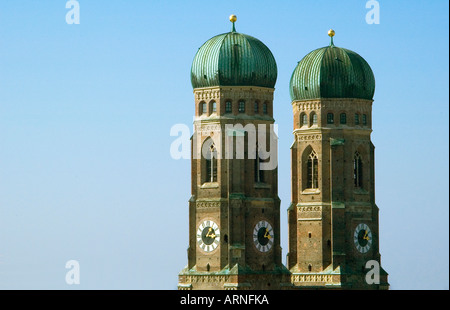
x,y
259,173
313,119
313,173
357,170
356,119
330,118
343,118
228,108
203,106
211,164
241,107
304,119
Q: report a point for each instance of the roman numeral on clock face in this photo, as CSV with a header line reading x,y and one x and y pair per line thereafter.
x,y
208,236
263,236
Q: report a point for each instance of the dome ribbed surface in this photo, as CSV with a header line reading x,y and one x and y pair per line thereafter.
x,y
332,72
233,59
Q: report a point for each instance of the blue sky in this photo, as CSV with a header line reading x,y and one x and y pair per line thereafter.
x,y
86,112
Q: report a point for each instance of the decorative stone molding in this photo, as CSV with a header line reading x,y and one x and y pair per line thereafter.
x,y
207,128
207,278
207,94
310,209
345,103
208,204
317,278
243,92
301,138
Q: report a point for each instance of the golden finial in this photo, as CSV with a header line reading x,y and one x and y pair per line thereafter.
x,y
331,35
233,19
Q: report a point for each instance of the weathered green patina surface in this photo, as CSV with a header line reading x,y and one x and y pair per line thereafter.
x,y
233,59
332,72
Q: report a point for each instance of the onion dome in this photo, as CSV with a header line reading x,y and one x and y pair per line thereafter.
x,y
233,59
332,72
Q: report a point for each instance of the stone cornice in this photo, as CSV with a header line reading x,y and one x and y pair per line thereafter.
x,y
244,92
363,105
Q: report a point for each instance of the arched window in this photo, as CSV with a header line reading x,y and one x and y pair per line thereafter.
x,y
304,119
343,118
241,106
356,119
211,164
309,267
313,117
313,171
228,107
203,108
213,107
364,119
265,108
330,118
357,170
256,107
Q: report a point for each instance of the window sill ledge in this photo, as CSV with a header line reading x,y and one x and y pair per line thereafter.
x,y
261,185
311,191
360,191
210,185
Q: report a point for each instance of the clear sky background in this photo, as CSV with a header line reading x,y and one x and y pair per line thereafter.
x,y
86,112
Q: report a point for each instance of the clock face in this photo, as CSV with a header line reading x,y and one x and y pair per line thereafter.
x,y
263,236
362,238
208,236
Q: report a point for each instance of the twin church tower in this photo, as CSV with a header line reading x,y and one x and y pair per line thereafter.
x,y
234,209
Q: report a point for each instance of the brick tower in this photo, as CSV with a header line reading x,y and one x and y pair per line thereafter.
x,y
234,210
333,218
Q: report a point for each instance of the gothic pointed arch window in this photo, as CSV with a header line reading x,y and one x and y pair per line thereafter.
x,y
313,170
357,170
210,163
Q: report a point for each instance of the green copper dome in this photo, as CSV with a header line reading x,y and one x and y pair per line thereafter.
x,y
233,59
332,72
